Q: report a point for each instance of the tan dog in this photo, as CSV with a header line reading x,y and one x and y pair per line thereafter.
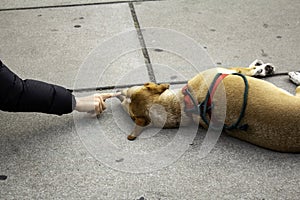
x,y
271,117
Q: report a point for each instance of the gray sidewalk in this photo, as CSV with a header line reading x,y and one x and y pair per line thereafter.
x,y
48,157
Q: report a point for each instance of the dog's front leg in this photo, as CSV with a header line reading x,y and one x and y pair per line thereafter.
x,y
135,132
140,125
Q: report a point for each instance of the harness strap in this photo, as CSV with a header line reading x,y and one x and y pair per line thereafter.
x,y
191,105
218,79
206,106
246,91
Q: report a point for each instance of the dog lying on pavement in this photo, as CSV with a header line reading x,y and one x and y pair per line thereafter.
x,y
256,111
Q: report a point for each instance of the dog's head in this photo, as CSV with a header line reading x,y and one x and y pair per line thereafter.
x,y
137,101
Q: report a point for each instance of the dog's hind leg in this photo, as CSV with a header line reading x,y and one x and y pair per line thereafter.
x,y
256,68
140,125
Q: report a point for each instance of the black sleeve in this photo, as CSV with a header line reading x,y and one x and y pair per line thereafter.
x,y
17,95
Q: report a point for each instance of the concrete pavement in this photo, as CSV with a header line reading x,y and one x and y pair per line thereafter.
x,y
98,43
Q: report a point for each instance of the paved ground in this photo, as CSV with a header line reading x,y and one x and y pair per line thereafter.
x,y
77,156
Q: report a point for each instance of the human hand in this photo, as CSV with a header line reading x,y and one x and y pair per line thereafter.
x,y
94,104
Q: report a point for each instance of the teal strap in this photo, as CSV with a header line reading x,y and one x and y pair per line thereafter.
x,y
246,90
203,106
204,109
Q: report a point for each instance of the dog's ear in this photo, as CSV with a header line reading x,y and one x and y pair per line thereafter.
x,y
157,88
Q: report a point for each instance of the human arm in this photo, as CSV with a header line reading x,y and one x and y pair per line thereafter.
x,y
17,95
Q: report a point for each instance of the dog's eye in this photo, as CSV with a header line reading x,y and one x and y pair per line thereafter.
x,y
258,64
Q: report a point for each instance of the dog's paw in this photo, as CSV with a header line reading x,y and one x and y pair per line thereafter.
x,y
262,69
256,63
131,137
295,77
